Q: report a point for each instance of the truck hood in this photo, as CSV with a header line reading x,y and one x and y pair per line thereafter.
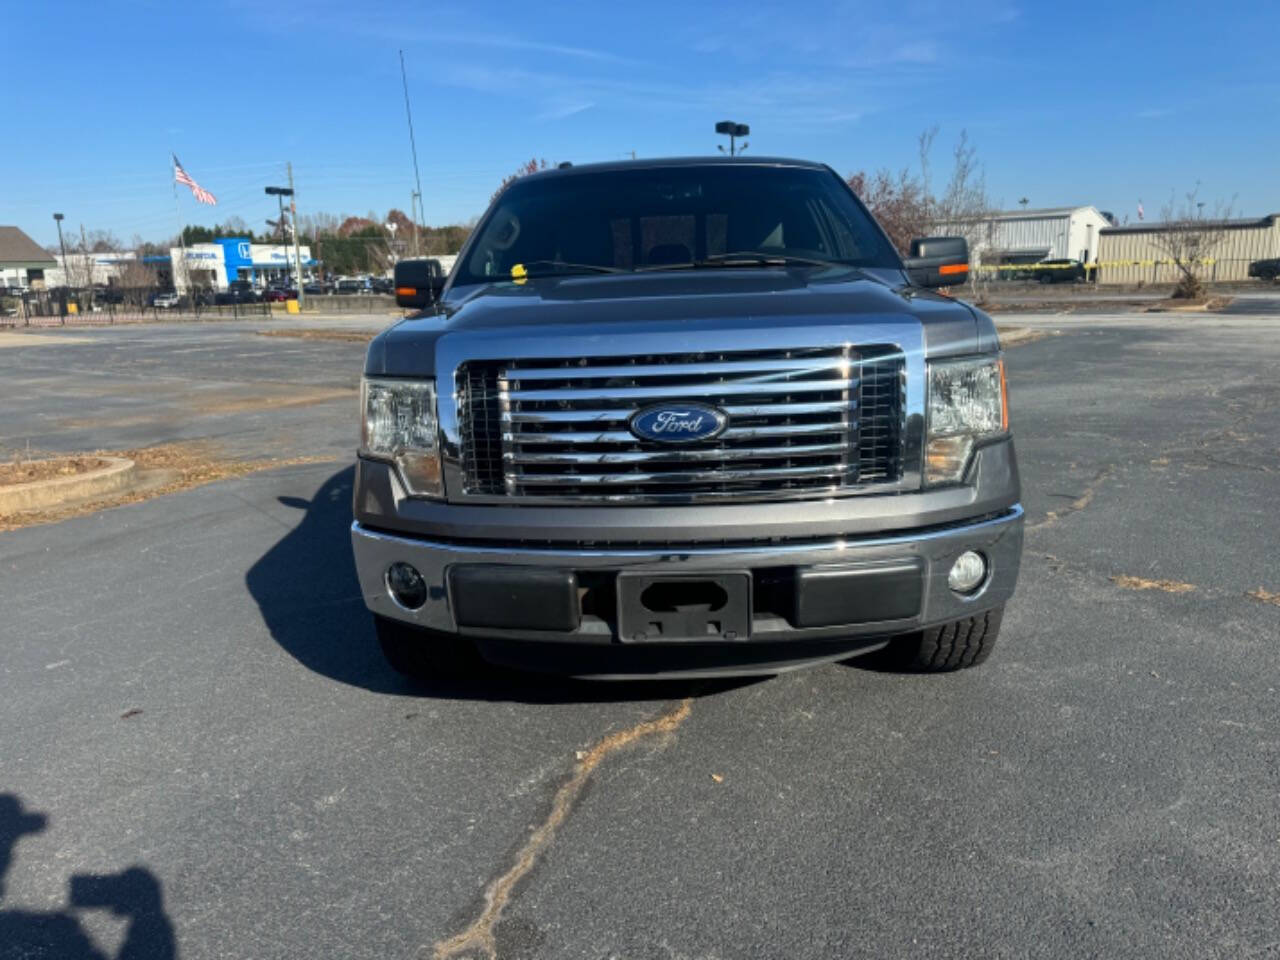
x,y
682,300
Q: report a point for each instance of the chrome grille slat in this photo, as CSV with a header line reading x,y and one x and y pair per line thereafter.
x,y
518,371
686,477
803,422
763,432
621,415
675,454
735,388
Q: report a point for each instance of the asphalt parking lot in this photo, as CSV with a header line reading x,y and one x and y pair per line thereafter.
x,y
200,744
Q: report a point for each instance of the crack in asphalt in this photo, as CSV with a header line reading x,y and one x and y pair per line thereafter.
x,y
479,936
1078,504
1129,582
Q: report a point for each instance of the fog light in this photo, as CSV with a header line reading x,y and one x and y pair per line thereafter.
x,y
967,573
406,586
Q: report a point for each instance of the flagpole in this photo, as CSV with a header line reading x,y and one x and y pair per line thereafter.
x,y
177,213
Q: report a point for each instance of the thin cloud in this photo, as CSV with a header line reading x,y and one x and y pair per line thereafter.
x,y
918,51
563,110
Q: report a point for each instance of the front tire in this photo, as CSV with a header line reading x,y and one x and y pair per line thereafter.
x,y
425,655
952,646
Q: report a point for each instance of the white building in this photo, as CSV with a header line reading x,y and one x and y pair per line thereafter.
x,y
1029,236
88,269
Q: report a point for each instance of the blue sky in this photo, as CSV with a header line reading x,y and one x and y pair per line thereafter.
x,y
1066,103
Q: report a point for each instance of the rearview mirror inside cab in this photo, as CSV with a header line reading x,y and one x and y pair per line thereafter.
x,y
418,282
938,261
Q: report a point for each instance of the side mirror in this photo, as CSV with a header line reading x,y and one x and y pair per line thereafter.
x,y
418,282
938,261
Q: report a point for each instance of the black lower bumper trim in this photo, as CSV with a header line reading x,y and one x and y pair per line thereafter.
x,y
515,597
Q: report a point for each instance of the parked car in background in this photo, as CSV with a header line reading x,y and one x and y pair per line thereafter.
x,y
279,294
108,295
1265,270
1057,271
165,301
318,288
382,285
351,286
239,291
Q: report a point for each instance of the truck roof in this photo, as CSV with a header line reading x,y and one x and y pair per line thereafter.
x,y
650,163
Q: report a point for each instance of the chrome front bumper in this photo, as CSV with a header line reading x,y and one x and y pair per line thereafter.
x,y
933,550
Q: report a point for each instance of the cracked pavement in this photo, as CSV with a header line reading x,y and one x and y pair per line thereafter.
x,y
190,685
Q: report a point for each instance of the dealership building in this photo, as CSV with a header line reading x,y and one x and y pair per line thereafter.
x,y
214,265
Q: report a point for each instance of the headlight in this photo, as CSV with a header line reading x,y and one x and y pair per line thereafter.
x,y
399,426
968,403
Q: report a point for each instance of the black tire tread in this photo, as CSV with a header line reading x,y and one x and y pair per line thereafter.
x,y
955,645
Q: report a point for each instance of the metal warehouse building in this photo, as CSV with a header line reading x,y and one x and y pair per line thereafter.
x,y
1029,236
1129,254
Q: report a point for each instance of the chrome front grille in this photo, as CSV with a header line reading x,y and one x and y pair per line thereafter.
x,y
803,422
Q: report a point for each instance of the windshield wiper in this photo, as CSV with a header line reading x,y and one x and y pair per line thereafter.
x,y
747,258
564,268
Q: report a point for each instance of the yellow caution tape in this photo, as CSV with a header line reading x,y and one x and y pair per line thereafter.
x,y
1036,267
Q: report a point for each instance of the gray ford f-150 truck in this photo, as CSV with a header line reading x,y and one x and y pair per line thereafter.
x,y
685,416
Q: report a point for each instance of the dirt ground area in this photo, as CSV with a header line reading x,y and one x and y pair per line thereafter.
x,y
165,468
31,471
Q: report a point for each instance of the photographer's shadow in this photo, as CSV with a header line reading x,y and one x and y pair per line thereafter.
x,y
134,894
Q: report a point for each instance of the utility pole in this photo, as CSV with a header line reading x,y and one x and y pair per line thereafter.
x,y
297,251
413,215
414,147
88,268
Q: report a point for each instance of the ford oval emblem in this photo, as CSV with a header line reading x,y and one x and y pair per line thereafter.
x,y
678,422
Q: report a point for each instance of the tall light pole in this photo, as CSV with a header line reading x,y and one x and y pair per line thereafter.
x,y
414,147
57,218
732,130
281,193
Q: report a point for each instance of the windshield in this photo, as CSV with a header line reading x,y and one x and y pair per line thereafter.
x,y
672,217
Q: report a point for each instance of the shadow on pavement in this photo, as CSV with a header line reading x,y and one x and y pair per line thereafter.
x,y
307,590
134,894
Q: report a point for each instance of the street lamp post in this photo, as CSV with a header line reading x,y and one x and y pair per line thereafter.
x,y
732,130
280,193
57,218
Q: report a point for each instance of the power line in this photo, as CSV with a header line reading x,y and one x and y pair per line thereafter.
x,y
417,179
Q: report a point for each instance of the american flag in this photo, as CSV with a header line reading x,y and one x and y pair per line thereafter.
x,y
197,191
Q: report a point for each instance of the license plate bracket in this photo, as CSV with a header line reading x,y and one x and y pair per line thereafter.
x,y
684,607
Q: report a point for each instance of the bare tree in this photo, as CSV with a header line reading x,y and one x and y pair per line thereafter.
x,y
897,201
104,241
1189,237
136,279
906,206
531,166
964,209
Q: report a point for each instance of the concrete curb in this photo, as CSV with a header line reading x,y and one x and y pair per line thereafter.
x,y
118,474
1012,336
